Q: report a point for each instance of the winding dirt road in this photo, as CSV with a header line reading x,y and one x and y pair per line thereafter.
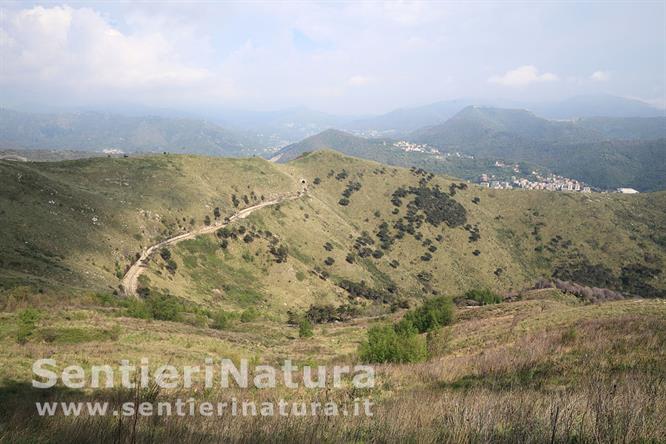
x,y
130,281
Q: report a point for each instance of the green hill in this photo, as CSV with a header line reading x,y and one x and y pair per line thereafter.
x,y
489,131
386,151
585,150
81,223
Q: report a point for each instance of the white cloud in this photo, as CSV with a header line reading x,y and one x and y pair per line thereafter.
x,y
600,76
523,76
358,80
77,49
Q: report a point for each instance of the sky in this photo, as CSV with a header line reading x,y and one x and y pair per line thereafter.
x,y
349,58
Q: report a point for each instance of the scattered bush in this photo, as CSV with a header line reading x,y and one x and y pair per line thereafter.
x,y
280,253
360,289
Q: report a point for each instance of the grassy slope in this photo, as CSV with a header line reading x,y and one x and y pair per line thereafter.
x,y
497,374
135,204
76,223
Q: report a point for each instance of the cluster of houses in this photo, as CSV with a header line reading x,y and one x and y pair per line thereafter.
x,y
552,182
414,147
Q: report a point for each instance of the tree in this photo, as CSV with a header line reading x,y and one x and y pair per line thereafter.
x,y
216,212
207,220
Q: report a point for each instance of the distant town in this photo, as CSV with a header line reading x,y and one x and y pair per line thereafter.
x,y
538,181
534,180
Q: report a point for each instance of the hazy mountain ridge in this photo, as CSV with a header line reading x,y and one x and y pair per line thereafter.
x,y
92,131
487,127
402,121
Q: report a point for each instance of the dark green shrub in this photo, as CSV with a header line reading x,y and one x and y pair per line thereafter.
x,y
164,307
386,344
434,313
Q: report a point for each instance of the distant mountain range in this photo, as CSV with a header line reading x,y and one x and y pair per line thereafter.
x,y
599,105
500,132
92,131
405,120
606,153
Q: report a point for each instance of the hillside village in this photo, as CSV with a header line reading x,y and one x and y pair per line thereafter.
x,y
550,182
